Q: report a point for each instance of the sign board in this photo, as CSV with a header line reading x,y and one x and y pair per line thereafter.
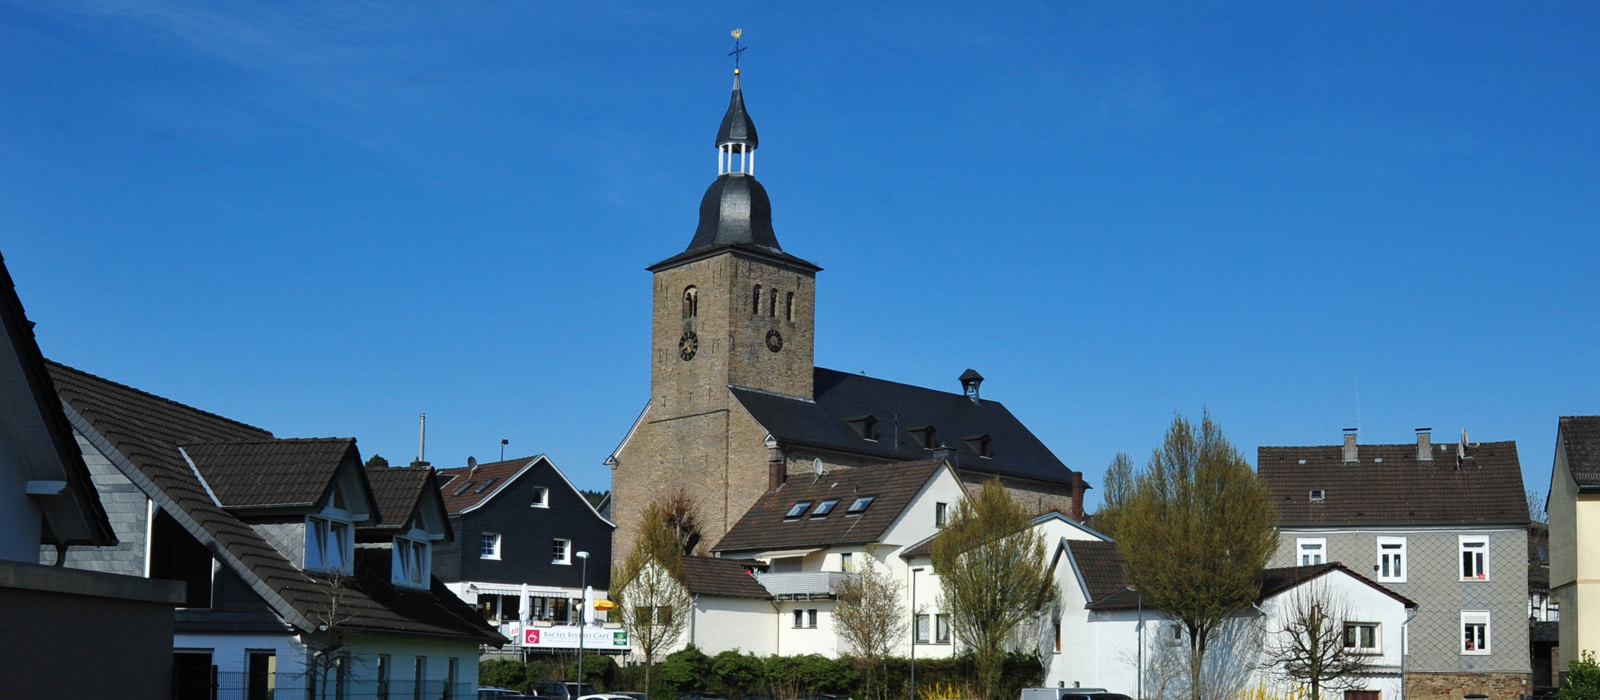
x,y
566,637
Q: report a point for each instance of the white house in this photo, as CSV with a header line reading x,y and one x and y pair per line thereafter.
x,y
1109,639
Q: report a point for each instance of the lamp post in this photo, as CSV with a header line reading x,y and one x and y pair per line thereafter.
x,y
583,612
1140,637
914,572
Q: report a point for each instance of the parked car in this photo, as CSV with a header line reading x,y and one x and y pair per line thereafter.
x,y
487,693
1071,694
702,695
632,695
610,696
558,690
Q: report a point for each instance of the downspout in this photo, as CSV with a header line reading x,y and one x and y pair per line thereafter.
x,y
1405,634
694,611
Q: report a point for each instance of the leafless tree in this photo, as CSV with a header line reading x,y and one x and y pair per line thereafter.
x,y
1316,647
868,616
653,604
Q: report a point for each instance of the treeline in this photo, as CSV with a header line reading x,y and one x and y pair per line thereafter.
x,y
781,677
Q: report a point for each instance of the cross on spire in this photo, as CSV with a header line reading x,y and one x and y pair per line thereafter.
x,y
738,51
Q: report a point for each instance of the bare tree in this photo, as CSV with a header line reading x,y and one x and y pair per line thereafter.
x,y
653,604
1317,648
329,644
868,617
684,519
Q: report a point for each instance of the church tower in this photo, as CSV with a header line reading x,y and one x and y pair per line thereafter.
x,y
732,309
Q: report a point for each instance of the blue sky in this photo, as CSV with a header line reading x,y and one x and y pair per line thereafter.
x,y
324,218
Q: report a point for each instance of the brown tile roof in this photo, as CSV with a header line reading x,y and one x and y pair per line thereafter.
x,y
1101,568
146,431
75,517
278,472
398,491
728,578
892,486
464,488
1580,437
1389,486
920,549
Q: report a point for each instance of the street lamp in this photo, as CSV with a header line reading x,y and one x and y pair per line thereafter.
x,y
583,612
914,572
1140,636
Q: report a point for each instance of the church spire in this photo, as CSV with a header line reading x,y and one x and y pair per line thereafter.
x,y
736,138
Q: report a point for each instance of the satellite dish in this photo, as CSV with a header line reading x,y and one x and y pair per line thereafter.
x,y
816,467
472,463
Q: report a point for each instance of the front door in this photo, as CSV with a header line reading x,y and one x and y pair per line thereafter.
x,y
193,676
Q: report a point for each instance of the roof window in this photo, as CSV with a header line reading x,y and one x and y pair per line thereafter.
x,y
463,489
866,427
797,510
860,504
981,444
486,484
1317,494
824,507
925,436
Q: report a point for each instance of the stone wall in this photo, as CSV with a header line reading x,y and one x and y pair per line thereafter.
x,y
1455,686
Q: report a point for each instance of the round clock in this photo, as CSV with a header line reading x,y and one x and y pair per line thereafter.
x,y
687,345
774,340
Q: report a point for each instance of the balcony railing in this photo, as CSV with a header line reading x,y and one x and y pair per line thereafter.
x,y
808,585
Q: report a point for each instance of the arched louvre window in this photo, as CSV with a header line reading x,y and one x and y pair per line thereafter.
x,y
755,303
788,306
691,302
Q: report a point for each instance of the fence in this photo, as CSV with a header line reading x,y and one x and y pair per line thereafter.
x,y
286,686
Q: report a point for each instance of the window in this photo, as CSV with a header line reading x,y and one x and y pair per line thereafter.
x,y
261,669
421,676
1474,557
923,627
825,507
1475,632
847,562
450,679
486,484
561,551
1058,636
860,504
328,544
1174,633
1361,637
772,305
490,547
755,306
382,691
1313,550
541,497
939,511
1392,559
798,509
1317,494
691,303
788,306
799,618
811,618
410,563
941,629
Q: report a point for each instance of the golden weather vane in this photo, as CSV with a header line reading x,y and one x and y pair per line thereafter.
x,y
738,50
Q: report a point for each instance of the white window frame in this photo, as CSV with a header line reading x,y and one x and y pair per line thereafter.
x,y
1475,617
1392,559
561,551
941,628
941,514
494,548
923,632
412,563
329,536
541,497
1306,546
847,562
1480,566
1377,637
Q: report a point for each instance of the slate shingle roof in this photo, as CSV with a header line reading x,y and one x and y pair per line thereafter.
x,y
728,578
764,526
1390,486
1101,567
397,491
898,408
278,472
1580,438
463,488
147,430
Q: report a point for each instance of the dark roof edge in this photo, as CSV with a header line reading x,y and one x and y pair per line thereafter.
x,y
779,257
1392,525
161,399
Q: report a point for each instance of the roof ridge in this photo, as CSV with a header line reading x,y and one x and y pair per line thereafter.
x,y
769,392
517,460
162,399
863,375
271,441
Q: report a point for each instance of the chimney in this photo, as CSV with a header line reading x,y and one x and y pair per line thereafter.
x,y
1078,487
1425,444
1349,445
946,453
970,380
777,473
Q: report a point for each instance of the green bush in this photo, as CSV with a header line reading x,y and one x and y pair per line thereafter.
x,y
738,674
598,670
502,673
798,676
683,671
1583,679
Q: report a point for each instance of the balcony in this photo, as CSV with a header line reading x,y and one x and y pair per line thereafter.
x,y
808,585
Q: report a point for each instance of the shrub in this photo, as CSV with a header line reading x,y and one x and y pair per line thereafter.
x,y
685,670
502,673
738,674
1583,679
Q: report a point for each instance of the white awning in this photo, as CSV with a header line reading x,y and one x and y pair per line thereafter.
x,y
785,553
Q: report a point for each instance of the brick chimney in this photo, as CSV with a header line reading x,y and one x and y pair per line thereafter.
x,y
1425,444
777,472
1078,487
1349,445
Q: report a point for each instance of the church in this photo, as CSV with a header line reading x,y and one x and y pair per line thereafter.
x,y
737,406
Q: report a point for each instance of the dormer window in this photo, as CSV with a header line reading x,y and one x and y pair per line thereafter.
x,y
541,497
980,444
1318,494
411,564
798,510
329,543
866,427
824,508
925,436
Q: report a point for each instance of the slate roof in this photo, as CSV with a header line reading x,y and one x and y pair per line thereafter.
x,y
88,524
397,491
736,124
1101,567
1580,437
898,408
727,578
146,430
1389,486
464,488
764,526
264,473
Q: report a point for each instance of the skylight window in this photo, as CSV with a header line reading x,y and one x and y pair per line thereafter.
x,y
463,489
825,507
486,484
798,510
860,504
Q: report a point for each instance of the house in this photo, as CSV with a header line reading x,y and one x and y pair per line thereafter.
x,y
49,499
735,395
298,581
1445,525
1109,638
1574,508
529,542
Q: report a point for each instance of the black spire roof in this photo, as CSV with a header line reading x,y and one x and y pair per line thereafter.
x,y
735,211
736,125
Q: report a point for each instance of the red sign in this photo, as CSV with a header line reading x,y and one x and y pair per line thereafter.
x,y
530,636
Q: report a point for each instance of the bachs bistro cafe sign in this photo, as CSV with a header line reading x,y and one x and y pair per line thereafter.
x,y
566,637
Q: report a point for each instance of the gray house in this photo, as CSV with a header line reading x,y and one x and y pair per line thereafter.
x,y
1443,525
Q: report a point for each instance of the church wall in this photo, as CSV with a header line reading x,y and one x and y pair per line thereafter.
x,y
752,362
687,452
1036,496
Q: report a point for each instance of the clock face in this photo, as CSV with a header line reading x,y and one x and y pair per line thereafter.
x,y
774,340
687,345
